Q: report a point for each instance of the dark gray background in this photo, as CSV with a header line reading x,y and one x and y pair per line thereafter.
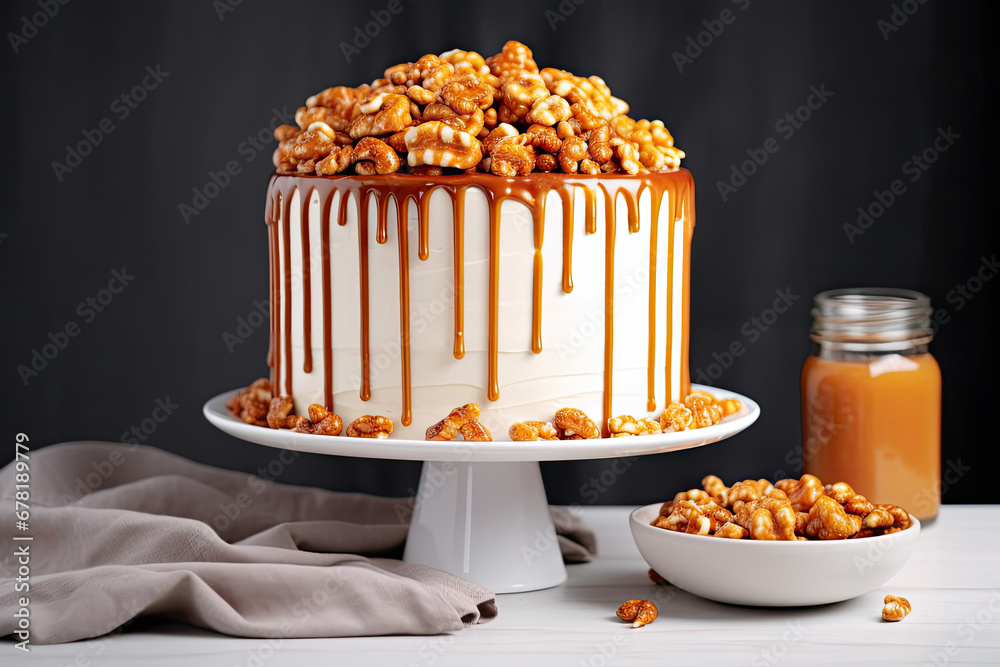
x,y
162,337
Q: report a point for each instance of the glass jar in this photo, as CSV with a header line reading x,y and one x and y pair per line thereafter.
x,y
871,397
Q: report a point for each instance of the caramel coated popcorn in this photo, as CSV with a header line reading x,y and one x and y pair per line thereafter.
x,y
787,510
590,130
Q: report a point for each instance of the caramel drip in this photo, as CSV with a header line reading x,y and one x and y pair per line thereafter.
x,y
327,306
609,306
458,206
492,378
366,384
382,224
307,358
654,218
286,239
566,195
423,226
668,362
632,206
274,350
403,241
590,210
687,215
345,196
536,278
529,191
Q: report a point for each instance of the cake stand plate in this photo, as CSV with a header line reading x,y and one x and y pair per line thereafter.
x,y
480,511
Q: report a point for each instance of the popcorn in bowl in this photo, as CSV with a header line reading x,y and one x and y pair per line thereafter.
x,y
460,111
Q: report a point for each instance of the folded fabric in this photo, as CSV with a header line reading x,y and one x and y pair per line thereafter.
x,y
121,531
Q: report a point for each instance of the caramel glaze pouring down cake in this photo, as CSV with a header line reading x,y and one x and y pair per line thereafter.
x,y
534,125
678,186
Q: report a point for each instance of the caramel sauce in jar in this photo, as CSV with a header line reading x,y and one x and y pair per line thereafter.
x,y
871,398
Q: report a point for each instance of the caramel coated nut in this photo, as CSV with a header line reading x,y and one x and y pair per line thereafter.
x,y
573,150
382,113
533,430
370,426
571,422
748,490
768,519
802,493
465,93
378,153
252,404
638,612
878,518
625,425
321,422
896,608
655,576
676,417
548,111
732,531
901,518
280,408
513,58
338,160
512,157
521,92
473,94
435,143
717,489
829,521
449,427
475,431
730,406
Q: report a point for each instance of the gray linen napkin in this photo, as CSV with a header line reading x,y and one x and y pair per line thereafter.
x,y
122,531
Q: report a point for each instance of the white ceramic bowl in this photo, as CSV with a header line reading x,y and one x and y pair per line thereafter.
x,y
771,574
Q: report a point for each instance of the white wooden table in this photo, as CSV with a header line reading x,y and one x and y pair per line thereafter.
x,y
953,582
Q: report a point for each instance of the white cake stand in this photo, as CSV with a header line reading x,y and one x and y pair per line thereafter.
x,y
480,511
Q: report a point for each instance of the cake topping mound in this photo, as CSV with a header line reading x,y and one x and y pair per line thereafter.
x,y
460,112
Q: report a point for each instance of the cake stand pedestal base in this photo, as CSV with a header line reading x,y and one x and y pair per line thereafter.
x,y
488,523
